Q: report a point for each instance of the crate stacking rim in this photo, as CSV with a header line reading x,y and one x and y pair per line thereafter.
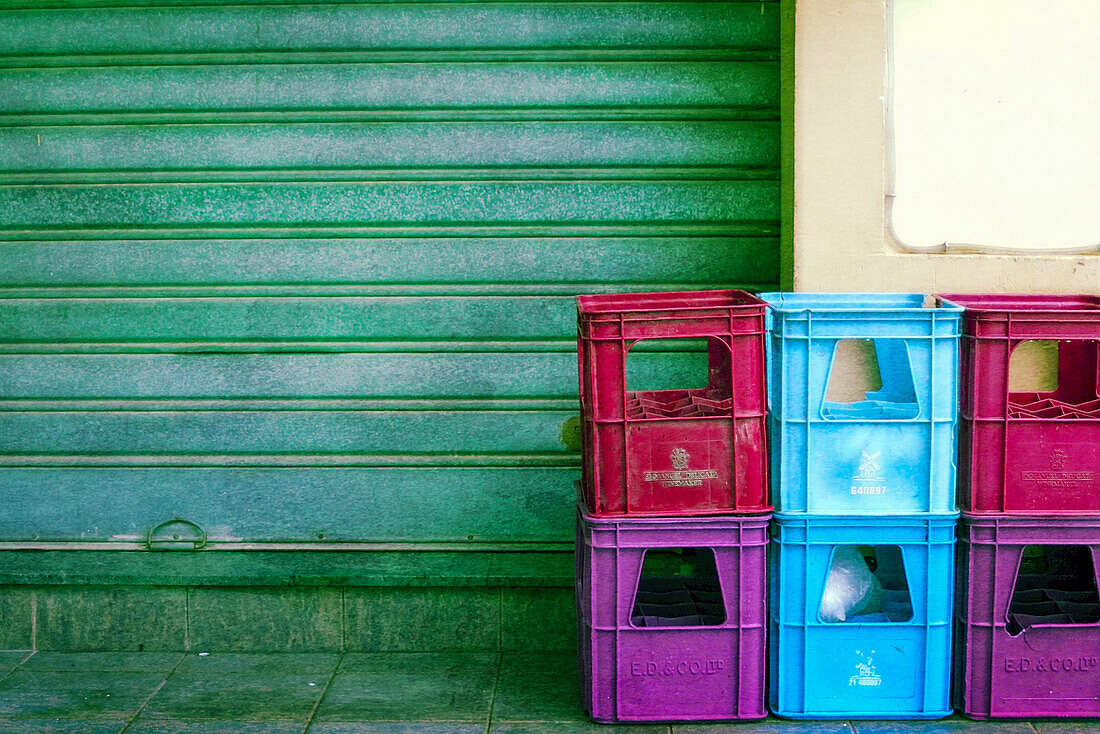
x,y
1049,668
860,670
894,451
673,671
692,451
1030,453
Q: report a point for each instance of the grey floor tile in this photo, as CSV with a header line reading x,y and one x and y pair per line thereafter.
x,y
46,694
954,725
538,663
95,662
538,698
766,726
420,662
61,726
586,727
411,687
226,663
13,657
193,726
1080,726
10,660
237,697
395,727
407,697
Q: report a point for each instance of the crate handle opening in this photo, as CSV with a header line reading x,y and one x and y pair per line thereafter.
x,y
678,378
678,587
1054,585
870,379
1048,378
866,584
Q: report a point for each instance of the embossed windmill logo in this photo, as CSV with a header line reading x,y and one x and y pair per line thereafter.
x,y
679,459
869,466
866,675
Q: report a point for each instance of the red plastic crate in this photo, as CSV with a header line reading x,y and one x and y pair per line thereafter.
x,y
673,452
1027,640
1031,453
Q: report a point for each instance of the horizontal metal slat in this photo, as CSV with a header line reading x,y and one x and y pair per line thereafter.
x,y
286,319
399,149
252,28
51,4
490,264
389,86
393,204
265,433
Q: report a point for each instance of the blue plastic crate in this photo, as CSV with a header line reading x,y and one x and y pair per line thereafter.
x,y
890,661
890,453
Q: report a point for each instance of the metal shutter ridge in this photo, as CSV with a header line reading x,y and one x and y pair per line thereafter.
x,y
304,273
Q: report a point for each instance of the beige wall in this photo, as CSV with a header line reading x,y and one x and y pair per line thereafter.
x,y
840,230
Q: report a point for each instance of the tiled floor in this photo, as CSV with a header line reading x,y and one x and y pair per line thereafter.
x,y
370,693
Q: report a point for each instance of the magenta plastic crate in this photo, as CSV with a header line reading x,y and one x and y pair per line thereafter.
x,y
691,451
1027,640
679,642
1029,453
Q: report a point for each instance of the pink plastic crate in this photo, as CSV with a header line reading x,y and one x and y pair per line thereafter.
x,y
671,616
1027,639
1030,453
673,451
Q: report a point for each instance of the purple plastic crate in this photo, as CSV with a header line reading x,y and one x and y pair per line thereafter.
x,y
672,616
1027,617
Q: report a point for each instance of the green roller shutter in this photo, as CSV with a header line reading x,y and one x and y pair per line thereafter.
x,y
304,272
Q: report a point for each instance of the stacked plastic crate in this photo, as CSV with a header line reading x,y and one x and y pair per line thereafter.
x,y
864,487
1028,624
672,523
